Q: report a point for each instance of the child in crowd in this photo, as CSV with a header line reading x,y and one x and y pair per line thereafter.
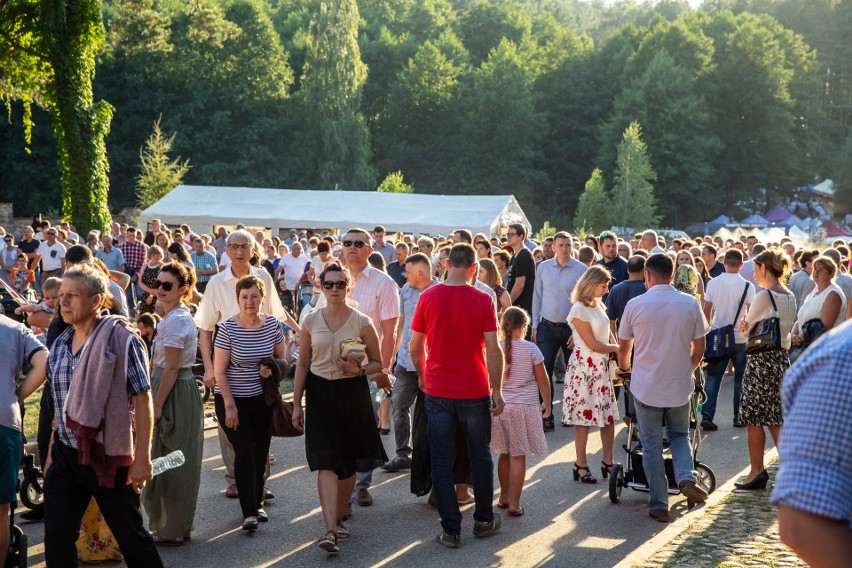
x,y
50,295
22,277
517,431
147,326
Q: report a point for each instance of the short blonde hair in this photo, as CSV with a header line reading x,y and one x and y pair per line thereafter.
x,y
584,291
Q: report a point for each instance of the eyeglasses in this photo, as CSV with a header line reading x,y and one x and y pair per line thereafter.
x,y
356,244
166,286
511,234
240,247
339,284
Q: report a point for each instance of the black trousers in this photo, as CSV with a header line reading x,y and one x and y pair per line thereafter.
x,y
68,487
251,442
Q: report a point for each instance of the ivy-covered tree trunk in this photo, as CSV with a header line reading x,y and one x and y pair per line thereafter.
x,y
73,34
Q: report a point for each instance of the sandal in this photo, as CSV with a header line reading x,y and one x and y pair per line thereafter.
x,y
606,469
517,513
328,542
587,478
342,532
232,492
502,505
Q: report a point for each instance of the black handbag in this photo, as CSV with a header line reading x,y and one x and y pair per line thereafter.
x,y
720,342
766,334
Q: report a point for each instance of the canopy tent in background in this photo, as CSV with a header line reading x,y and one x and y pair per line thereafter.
x,y
778,214
207,206
754,220
824,189
720,220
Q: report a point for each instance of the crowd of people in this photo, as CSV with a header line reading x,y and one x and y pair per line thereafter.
x,y
468,329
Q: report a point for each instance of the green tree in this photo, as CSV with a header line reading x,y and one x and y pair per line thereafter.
x,y
48,58
336,139
633,203
394,183
593,210
159,174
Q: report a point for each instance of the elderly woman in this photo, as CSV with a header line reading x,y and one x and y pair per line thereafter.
x,y
490,277
242,342
8,258
170,498
588,395
826,302
760,402
689,275
340,426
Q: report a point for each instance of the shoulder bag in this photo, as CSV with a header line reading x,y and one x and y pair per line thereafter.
x,y
720,342
766,334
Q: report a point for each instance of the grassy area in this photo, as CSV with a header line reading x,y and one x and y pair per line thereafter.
x,y
31,406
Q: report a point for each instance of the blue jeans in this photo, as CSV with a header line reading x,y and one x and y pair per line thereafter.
x,y
716,371
473,416
550,339
650,421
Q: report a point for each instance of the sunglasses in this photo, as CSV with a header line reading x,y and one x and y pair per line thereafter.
x,y
511,234
356,244
339,284
166,286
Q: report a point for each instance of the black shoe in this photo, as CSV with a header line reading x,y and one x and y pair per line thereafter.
x,y
481,528
449,540
267,494
397,464
262,517
739,423
548,424
707,424
249,525
759,482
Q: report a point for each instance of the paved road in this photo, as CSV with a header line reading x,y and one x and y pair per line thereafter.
x,y
567,523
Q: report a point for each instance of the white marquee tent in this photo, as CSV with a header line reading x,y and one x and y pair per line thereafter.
x,y
205,206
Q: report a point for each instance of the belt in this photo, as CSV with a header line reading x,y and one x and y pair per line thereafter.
x,y
553,323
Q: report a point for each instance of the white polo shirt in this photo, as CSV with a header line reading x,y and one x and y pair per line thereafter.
x,y
51,256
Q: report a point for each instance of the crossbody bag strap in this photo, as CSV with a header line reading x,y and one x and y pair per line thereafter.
x,y
740,307
772,299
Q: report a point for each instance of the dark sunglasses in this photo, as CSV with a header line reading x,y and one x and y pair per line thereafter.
x,y
339,284
166,286
356,244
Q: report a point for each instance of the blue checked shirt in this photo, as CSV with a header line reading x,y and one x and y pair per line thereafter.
x,y
815,475
61,364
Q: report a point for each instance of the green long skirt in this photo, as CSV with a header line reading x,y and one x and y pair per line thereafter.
x,y
170,497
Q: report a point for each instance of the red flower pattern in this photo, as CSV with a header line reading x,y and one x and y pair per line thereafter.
x,y
588,396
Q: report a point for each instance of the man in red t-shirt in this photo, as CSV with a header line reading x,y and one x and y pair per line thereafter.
x,y
454,348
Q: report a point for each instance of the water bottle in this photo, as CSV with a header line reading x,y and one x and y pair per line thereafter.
x,y
380,393
167,462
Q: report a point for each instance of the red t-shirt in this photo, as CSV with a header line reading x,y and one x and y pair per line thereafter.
x,y
454,320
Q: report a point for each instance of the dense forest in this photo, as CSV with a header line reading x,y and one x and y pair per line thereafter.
x,y
739,102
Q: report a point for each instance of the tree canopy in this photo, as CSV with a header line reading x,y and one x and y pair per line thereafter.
x,y
476,97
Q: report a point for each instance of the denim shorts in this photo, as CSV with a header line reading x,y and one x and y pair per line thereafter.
x,y
11,448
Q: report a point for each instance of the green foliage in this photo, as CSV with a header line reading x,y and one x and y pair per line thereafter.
x,y
593,211
159,174
394,183
547,230
633,203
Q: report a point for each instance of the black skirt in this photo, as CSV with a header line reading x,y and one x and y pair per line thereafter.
x,y
341,432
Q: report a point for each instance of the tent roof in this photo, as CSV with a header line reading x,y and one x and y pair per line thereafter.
x,y
301,208
824,188
720,220
777,214
754,220
832,230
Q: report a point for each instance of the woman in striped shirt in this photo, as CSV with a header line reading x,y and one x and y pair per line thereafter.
x,y
242,342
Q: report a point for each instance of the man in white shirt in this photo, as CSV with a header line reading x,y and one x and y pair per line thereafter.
x,y
220,303
52,255
294,264
668,329
724,294
650,242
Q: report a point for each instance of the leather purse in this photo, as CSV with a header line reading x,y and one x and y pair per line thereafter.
x,y
281,423
765,335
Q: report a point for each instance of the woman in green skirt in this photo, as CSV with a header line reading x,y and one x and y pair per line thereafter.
x,y
170,497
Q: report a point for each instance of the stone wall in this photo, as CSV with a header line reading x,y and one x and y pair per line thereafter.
x,y
7,218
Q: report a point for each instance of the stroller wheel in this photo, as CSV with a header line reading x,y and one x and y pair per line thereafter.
x,y
616,482
17,554
203,390
32,494
705,478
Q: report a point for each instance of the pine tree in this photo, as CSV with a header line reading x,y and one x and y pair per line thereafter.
x,y
159,174
395,183
633,204
337,142
593,209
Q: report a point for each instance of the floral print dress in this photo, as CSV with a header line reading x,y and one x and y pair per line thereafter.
x,y
588,395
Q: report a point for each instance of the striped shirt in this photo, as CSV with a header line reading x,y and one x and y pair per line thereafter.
x,y
248,347
519,385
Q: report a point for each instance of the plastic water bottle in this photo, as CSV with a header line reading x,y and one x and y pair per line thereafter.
x,y
380,393
167,462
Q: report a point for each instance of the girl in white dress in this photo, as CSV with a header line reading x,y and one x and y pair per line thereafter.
x,y
589,399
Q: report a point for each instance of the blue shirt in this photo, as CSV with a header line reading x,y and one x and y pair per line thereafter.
x,y
204,261
408,298
61,364
552,291
816,445
617,269
618,297
113,259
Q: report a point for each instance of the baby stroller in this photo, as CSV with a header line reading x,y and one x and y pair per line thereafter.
x,y
16,556
633,476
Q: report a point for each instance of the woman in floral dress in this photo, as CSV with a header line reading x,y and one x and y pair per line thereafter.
x,y
148,301
589,399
